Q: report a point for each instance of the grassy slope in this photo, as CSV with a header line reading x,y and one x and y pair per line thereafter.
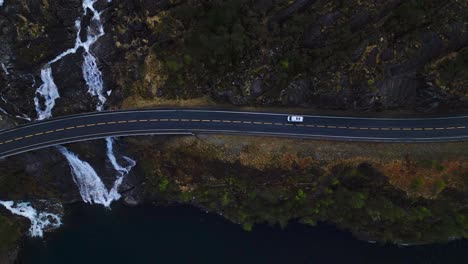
x,y
371,189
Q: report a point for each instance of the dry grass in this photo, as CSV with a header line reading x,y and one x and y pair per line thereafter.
x,y
137,102
431,165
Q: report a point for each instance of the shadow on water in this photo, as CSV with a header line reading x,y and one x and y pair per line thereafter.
x,y
148,234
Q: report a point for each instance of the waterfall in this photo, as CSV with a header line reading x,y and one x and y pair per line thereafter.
x,y
91,73
49,92
121,171
91,187
93,78
39,220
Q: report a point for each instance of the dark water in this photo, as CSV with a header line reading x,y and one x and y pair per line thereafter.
x,y
149,234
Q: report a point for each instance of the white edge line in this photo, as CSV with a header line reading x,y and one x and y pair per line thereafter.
x,y
191,131
125,112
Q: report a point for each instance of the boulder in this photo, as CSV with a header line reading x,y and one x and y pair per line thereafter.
x,y
297,93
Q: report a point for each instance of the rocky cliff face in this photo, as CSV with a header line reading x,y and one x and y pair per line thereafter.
x,y
348,55
352,55
373,56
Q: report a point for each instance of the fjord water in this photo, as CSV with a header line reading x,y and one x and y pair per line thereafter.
x,y
149,234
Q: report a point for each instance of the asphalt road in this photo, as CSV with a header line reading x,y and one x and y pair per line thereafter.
x,y
96,125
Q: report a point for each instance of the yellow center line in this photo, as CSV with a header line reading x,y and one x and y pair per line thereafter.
x,y
236,121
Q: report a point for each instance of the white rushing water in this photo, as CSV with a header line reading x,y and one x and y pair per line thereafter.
x,y
49,92
90,185
91,73
93,78
39,220
121,171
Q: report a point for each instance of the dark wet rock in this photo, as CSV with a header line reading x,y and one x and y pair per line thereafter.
x,y
264,5
358,52
400,91
68,76
371,60
387,54
257,88
297,93
315,36
286,13
130,201
360,18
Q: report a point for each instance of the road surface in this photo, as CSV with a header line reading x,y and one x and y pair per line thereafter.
x,y
96,125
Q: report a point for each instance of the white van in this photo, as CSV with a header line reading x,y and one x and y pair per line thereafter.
x,y
295,119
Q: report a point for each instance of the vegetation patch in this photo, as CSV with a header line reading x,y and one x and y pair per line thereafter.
x,y
362,194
